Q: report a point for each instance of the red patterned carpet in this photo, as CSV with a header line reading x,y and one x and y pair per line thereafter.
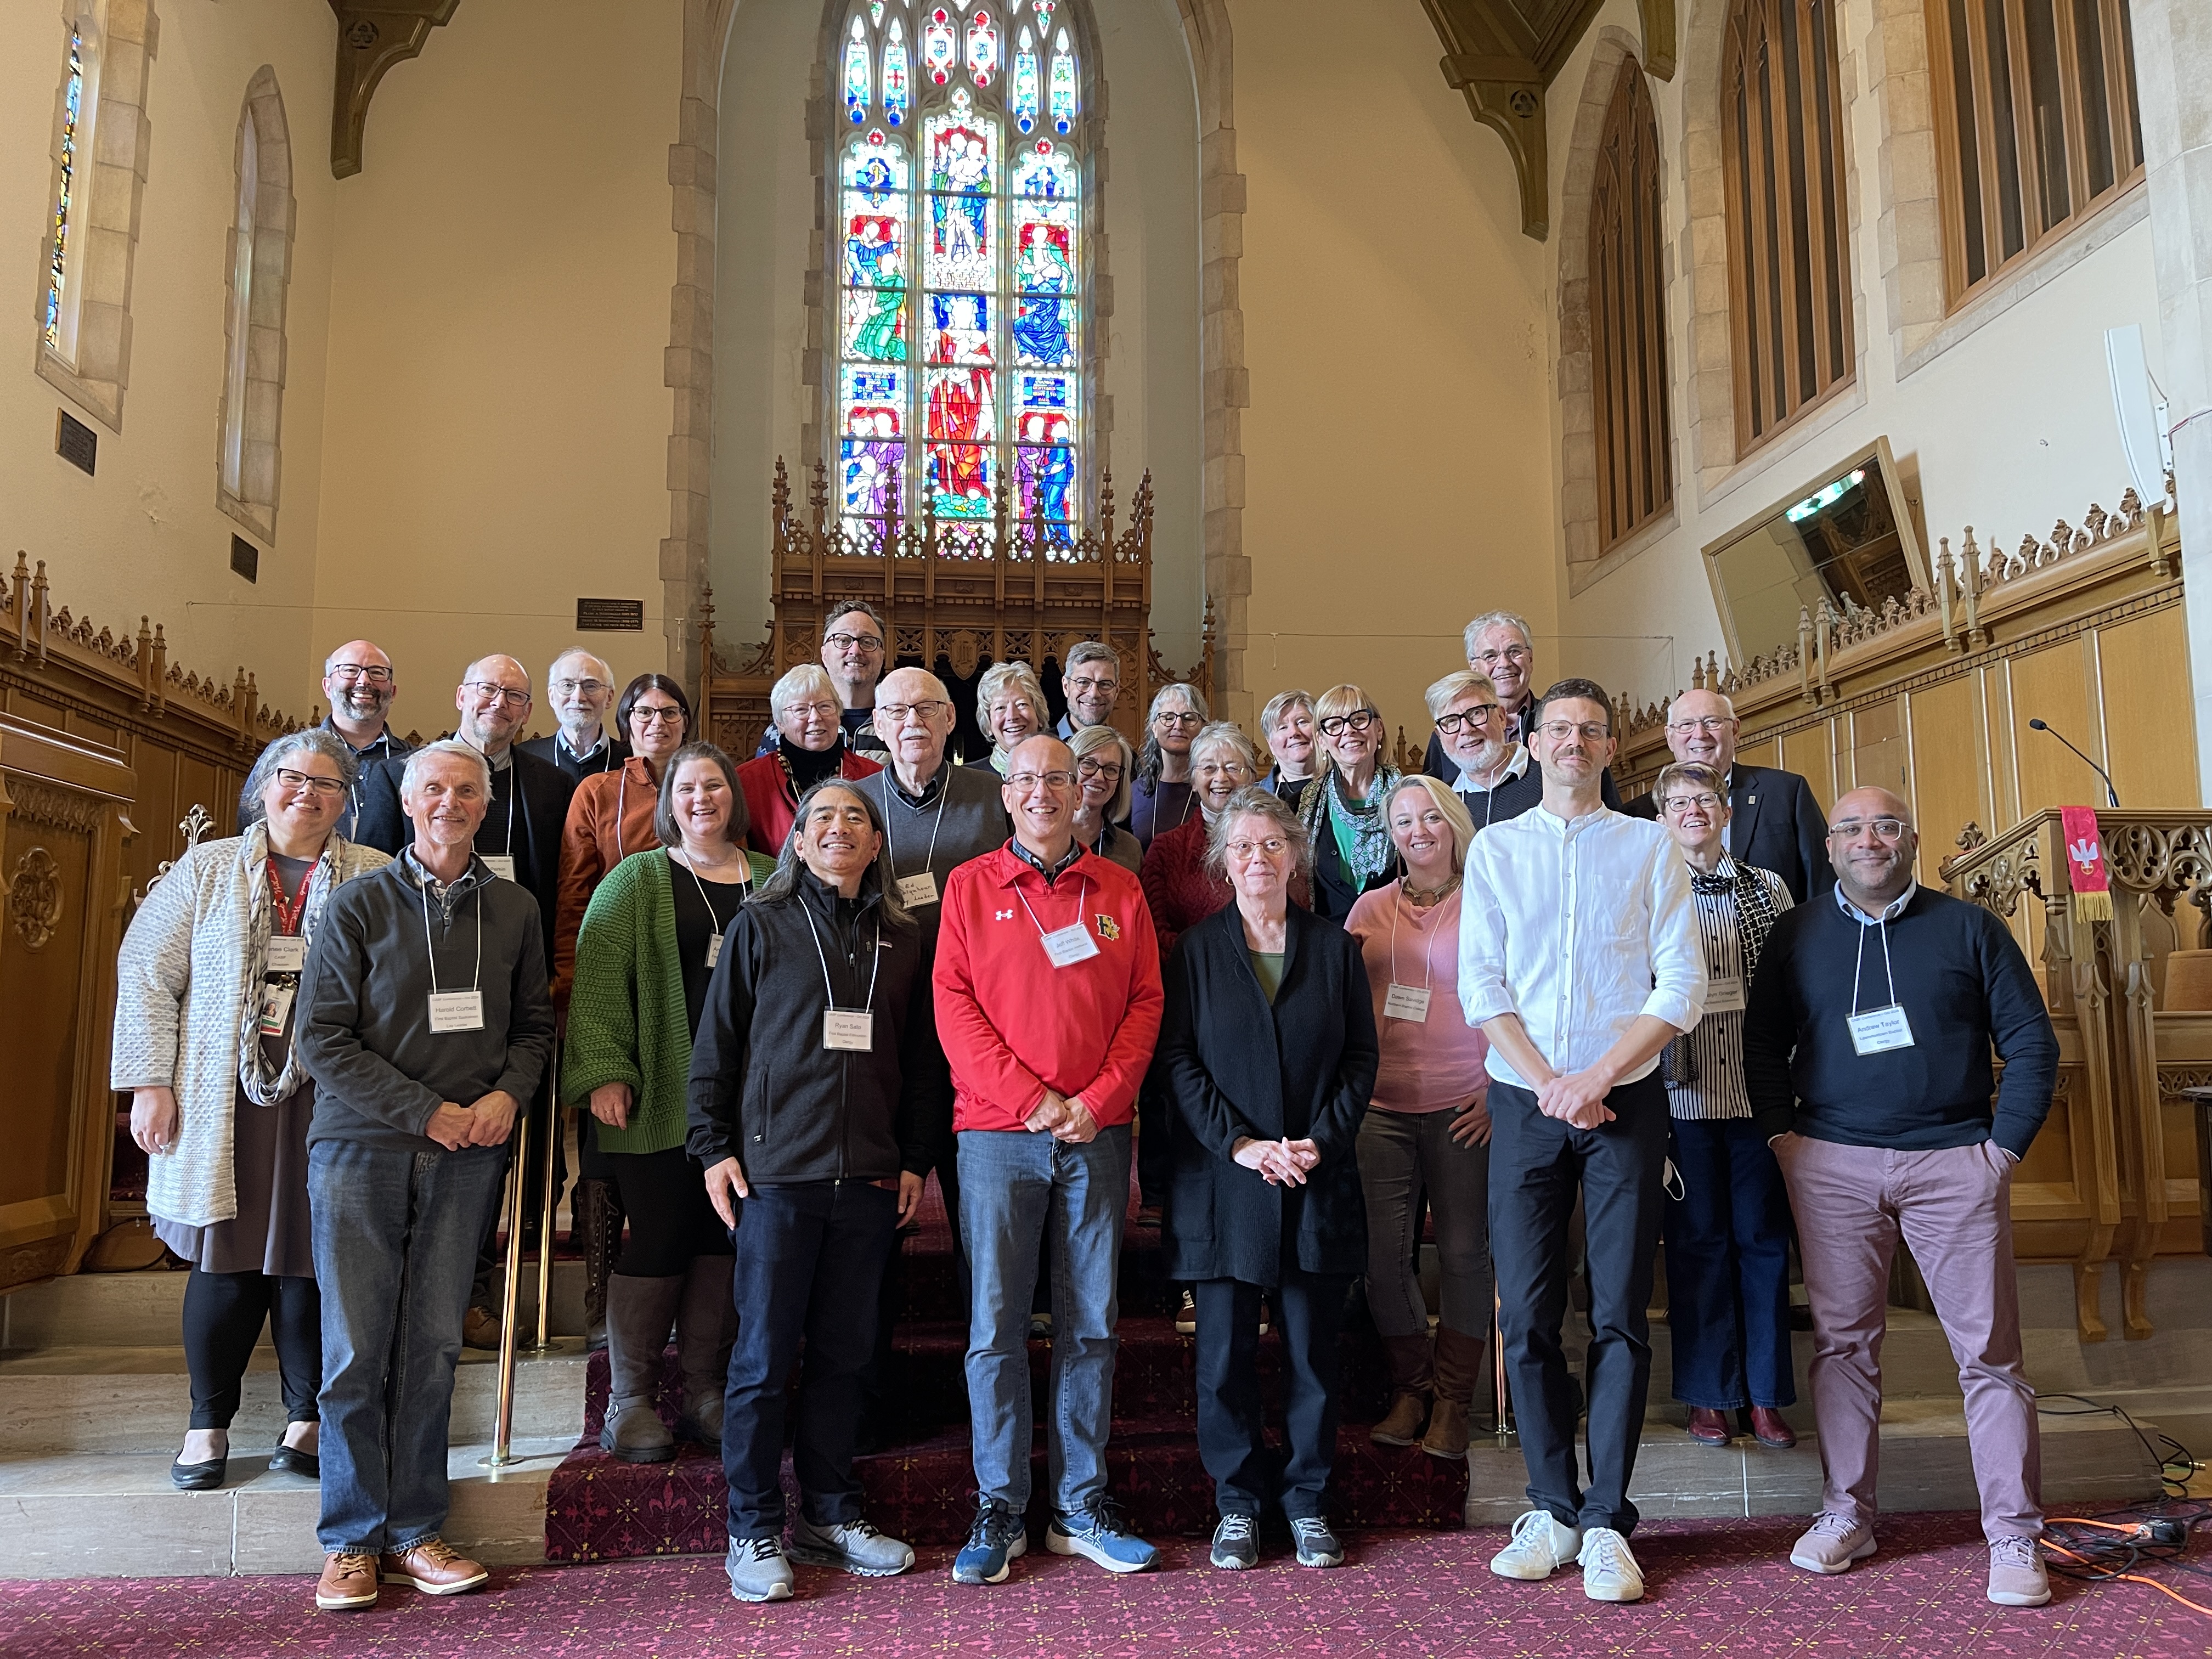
x,y
1718,1589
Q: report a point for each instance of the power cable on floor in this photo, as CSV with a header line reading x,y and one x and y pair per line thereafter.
x,y
2115,1546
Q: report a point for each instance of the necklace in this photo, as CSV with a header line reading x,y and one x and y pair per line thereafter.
x,y
1422,898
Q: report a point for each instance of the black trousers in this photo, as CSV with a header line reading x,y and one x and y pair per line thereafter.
x,y
1246,1474
1537,1164
671,1220
223,1315
810,1260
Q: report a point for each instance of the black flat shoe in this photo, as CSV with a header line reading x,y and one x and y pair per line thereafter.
x,y
293,1461
199,1477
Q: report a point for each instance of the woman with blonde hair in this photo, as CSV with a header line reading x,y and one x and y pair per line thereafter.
x,y
1104,766
1009,707
1343,810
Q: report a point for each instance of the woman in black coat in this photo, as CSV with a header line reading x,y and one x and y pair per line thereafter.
x,y
1268,1051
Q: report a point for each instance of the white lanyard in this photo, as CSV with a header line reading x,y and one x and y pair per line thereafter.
x,y
853,1029
922,887
453,1011
713,916
621,796
1878,1029
1064,946
1889,973
1409,1002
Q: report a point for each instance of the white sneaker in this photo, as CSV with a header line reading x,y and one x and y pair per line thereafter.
x,y
1609,1571
1540,1548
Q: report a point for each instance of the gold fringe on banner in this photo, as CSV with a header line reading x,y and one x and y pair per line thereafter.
x,y
2093,907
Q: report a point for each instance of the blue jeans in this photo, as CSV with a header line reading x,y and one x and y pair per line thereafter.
x,y
1728,1268
1016,1188
396,1236
810,1262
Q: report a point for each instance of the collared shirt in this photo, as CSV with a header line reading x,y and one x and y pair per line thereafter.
x,y
1578,926
599,757
1890,914
380,748
445,894
1705,1066
1074,852
930,791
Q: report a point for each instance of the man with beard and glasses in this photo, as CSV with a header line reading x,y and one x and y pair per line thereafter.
x,y
1501,649
1498,780
357,679
581,688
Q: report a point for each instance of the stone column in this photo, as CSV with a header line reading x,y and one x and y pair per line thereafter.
x,y
2173,76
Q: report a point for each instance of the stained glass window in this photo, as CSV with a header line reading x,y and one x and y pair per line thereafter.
x,y
65,196
962,352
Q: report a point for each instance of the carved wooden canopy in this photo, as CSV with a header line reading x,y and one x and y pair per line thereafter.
x,y
1502,54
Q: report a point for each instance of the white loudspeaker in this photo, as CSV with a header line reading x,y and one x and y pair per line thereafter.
x,y
2141,412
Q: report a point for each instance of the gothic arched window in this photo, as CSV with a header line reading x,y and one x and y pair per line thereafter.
x,y
961,205
1782,149
1628,317
260,270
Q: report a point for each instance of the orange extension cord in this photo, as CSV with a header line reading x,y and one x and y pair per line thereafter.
x,y
2139,1533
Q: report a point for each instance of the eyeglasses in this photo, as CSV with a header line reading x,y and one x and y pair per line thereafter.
x,y
1181,722
1274,847
1888,830
1109,770
1091,683
1357,720
1480,716
347,672
1025,781
644,714
1676,805
1220,769
1514,653
573,687
852,641
823,710
306,783
896,713
1712,725
488,693
1561,730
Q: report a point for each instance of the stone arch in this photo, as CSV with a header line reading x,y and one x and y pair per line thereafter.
x,y
258,278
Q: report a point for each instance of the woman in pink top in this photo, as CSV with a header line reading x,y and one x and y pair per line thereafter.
x,y
1428,1128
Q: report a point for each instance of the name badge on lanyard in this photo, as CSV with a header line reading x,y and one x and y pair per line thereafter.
x,y
276,1007
1066,946
1406,1002
714,949
1724,993
1880,1029
851,1029
500,864
457,1011
288,953
917,890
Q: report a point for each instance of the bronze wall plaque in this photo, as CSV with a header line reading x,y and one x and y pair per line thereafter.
x,y
246,558
611,616
75,443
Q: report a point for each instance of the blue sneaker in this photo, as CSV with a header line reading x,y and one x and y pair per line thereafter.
x,y
1099,1534
995,1537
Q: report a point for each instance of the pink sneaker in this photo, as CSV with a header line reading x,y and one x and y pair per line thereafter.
x,y
2016,1575
1832,1543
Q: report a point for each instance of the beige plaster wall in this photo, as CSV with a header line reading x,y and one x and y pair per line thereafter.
x,y
2007,427
498,424
143,535
1397,474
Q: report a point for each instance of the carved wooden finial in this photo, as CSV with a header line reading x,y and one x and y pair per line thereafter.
x,y
1970,837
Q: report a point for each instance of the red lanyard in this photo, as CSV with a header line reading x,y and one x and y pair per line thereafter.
x,y
287,916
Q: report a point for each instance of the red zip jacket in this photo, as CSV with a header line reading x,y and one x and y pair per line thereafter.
x,y
1012,1024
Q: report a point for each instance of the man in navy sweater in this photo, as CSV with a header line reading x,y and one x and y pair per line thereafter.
x,y
1866,1047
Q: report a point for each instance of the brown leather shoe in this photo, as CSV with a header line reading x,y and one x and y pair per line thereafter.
x,y
347,1583
1709,1427
1766,1424
480,1330
433,1568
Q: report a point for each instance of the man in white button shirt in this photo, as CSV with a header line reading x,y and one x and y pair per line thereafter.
x,y
1579,959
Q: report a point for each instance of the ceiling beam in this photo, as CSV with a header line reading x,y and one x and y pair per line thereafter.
x,y
371,39
1657,17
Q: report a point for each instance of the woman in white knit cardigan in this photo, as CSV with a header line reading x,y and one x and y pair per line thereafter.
x,y
204,987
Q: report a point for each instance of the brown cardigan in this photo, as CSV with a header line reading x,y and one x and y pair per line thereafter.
x,y
610,816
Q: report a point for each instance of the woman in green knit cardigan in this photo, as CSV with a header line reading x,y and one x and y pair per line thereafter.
x,y
650,938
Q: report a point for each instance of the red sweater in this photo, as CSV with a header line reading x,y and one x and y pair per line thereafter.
x,y
1181,893
771,805
1012,1024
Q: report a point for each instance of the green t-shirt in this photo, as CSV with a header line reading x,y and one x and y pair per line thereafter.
x,y
1268,965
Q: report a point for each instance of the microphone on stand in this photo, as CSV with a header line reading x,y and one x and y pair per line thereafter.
x,y
2110,793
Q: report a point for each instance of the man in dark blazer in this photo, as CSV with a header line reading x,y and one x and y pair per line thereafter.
x,y
1776,824
520,840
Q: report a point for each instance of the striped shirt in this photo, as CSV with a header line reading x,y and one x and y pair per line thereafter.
x,y
1704,1067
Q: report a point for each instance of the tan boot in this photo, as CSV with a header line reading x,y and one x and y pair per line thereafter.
x,y
1458,1362
1410,1381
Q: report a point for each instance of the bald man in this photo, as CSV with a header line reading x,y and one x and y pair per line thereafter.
x,y
581,688
1774,822
358,679
1867,1044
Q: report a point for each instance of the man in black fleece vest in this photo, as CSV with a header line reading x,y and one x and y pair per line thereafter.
x,y
1866,1046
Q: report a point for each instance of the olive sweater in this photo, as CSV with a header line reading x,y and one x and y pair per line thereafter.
x,y
627,1022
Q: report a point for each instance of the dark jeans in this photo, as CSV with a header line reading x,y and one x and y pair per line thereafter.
x,y
223,1316
1728,1268
1246,1474
810,1261
395,1242
1537,1164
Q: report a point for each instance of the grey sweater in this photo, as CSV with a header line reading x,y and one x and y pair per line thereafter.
x,y
363,1028
975,822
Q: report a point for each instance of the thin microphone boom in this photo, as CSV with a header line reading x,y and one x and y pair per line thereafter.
x,y
2110,793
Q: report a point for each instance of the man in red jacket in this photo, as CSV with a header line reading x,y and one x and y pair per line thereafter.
x,y
1048,981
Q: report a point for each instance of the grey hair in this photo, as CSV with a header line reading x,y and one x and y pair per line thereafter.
x,y
1279,706
593,658
1256,800
1016,675
316,739
445,746
878,878
1226,734
1092,738
1150,761
807,676
1091,651
1453,686
1473,631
